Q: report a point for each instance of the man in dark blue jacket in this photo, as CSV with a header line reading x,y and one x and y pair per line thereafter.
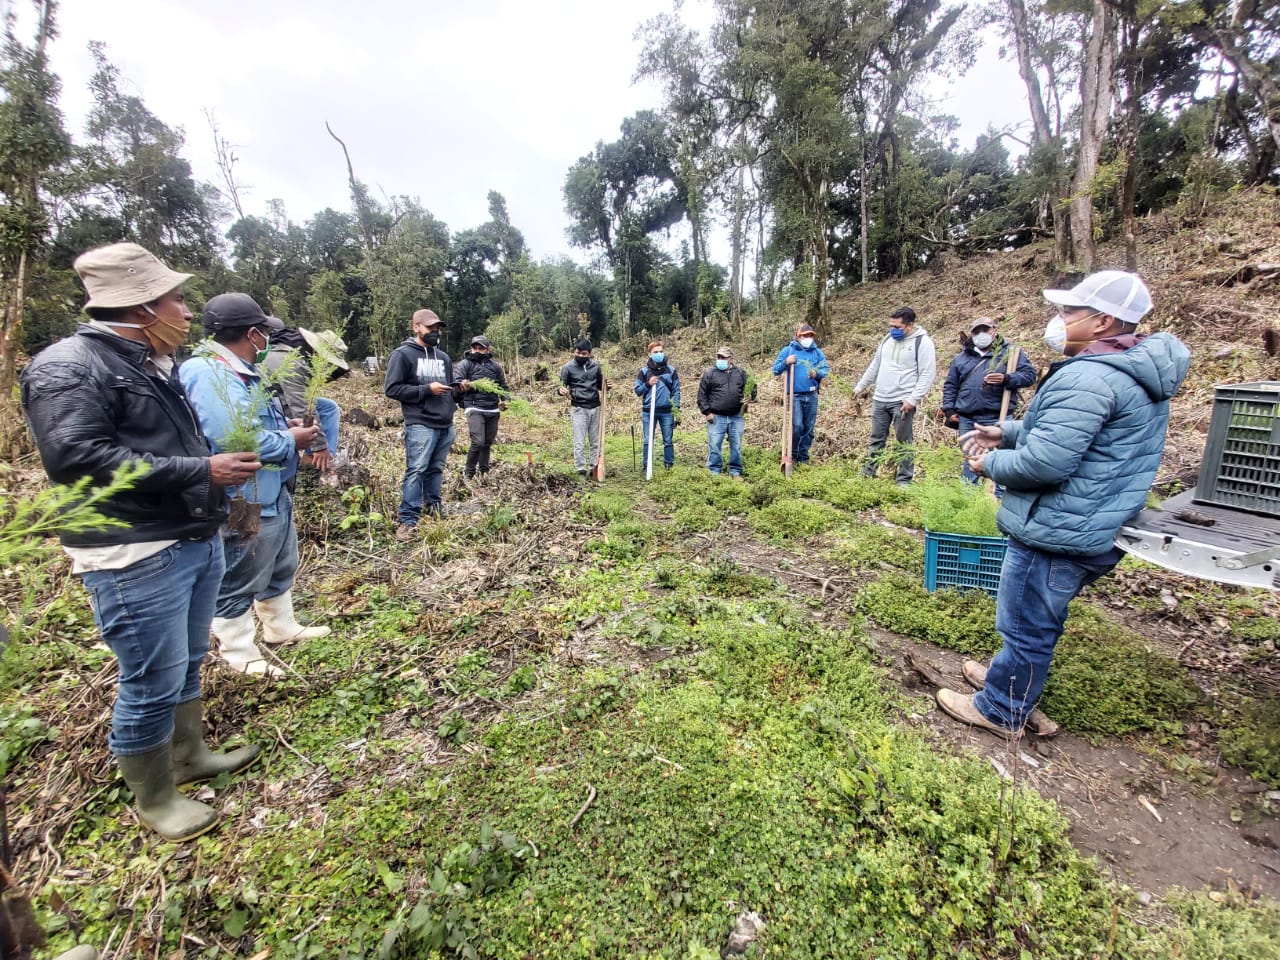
x,y
808,368
95,401
1075,469
978,379
420,376
658,387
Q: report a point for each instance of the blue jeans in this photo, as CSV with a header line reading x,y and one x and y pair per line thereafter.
x,y
330,416
967,424
425,450
263,566
155,616
666,423
804,414
1031,610
717,430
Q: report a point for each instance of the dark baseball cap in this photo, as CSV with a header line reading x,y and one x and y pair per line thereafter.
x,y
228,311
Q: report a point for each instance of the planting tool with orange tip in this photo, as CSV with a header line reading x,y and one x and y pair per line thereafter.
x,y
597,472
788,411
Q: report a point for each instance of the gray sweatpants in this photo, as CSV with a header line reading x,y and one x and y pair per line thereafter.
x,y
586,435
886,414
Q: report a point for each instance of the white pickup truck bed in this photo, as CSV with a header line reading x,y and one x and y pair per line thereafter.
x,y
1208,541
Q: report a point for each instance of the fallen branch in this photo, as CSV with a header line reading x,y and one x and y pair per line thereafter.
x,y
591,798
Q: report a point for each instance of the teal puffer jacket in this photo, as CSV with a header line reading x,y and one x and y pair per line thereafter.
x,y
1087,451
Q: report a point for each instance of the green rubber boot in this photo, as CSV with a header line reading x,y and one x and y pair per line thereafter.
x,y
160,806
193,761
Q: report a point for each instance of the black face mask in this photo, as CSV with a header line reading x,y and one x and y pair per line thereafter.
x,y
431,339
582,361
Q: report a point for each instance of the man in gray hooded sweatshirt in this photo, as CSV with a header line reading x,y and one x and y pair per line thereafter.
x,y
903,371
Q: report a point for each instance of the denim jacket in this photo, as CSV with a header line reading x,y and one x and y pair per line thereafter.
x,y
217,382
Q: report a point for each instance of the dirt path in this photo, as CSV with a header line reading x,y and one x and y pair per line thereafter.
x,y
1195,834
1100,789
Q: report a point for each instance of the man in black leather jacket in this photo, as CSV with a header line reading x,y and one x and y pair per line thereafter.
x,y
94,401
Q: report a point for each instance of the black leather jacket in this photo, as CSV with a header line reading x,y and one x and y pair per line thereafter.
x,y
92,406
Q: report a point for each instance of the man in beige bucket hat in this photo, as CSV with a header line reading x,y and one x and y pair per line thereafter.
x,y
95,401
327,349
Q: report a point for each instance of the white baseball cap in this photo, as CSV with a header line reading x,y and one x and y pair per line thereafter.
x,y
1113,292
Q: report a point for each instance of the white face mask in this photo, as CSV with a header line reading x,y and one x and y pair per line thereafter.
x,y
1055,332
983,340
806,342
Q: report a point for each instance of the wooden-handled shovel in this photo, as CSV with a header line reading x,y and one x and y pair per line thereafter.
x,y
1014,354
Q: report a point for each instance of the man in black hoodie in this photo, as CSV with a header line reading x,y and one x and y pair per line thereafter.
x,y
420,377
480,407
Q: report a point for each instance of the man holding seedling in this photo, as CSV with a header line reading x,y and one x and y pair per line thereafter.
x,y
1075,469
480,406
94,401
420,377
309,360
978,379
902,372
237,407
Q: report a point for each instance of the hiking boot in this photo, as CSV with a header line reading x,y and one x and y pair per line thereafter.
x,y
1037,723
406,532
959,706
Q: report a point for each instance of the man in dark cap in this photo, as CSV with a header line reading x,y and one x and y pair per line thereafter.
x,y
581,381
231,399
94,401
420,377
481,407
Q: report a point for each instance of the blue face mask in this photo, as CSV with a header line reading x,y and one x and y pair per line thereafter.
x,y
722,364
897,333
657,357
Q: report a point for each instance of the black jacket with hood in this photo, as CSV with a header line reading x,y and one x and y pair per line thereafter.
x,y
479,366
411,369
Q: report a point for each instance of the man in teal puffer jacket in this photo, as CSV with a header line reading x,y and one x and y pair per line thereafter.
x,y
1075,469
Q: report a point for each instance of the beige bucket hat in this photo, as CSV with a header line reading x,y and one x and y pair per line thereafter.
x,y
328,344
125,275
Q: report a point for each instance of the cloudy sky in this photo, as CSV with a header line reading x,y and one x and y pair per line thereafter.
x,y
439,100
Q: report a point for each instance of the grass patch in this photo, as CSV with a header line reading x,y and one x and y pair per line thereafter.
x,y
793,519
873,545
606,506
1249,737
964,622
1108,681
1104,680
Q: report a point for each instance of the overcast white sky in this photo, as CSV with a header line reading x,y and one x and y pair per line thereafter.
x,y
439,100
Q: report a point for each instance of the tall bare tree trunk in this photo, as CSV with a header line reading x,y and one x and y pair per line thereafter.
x,y
864,215
736,253
1097,90
1046,137
1129,137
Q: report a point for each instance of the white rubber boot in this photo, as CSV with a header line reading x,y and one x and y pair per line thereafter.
x,y
236,646
279,625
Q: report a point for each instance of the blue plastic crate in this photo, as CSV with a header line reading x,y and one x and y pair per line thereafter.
x,y
962,562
